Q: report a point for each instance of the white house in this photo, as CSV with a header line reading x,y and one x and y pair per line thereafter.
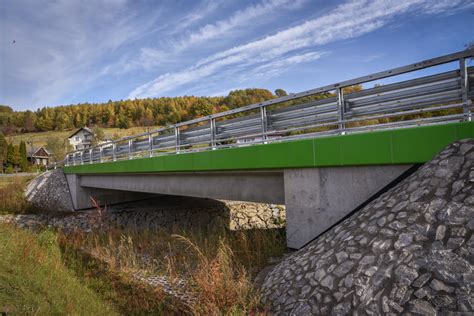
x,y
82,138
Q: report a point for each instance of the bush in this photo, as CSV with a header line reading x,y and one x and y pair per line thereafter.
x,y
9,169
12,198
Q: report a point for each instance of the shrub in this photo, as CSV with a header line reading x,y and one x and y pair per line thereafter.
x,y
12,198
9,169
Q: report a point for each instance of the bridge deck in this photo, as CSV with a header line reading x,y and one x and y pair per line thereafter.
x,y
400,146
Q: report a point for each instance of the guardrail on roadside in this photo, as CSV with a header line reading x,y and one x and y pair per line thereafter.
x,y
433,99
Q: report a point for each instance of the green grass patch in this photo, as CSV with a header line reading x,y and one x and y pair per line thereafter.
x,y
34,279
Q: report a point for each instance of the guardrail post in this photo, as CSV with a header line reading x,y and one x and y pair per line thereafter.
x,y
150,143
82,157
129,149
340,109
263,120
114,156
213,133
465,88
90,156
176,139
100,154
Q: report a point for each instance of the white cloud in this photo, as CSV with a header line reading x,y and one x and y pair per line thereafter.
x,y
150,58
238,19
57,45
349,20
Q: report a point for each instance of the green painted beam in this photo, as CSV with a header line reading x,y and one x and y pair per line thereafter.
x,y
401,146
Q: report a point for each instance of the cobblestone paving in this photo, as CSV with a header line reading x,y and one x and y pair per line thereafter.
x,y
411,250
49,191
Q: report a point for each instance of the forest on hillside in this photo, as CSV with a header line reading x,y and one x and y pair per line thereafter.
x,y
126,113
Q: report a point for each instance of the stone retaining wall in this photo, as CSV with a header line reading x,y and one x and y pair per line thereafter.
x,y
410,250
49,192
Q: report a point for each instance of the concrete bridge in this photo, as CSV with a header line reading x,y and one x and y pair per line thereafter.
x,y
321,157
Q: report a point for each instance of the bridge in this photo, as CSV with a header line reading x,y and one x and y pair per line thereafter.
x,y
321,152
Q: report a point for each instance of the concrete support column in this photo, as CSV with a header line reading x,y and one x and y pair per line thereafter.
x,y
316,198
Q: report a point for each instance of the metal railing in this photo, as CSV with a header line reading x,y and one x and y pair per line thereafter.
x,y
434,99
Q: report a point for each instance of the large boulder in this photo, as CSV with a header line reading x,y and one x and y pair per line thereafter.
x,y
410,250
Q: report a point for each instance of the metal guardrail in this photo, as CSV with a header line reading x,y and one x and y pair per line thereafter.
x,y
434,99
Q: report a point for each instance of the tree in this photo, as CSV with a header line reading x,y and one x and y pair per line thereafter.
x,y
29,121
123,121
13,155
57,147
99,135
62,121
201,108
23,160
45,121
3,150
6,108
280,93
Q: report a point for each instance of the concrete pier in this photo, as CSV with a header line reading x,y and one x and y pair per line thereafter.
x,y
317,198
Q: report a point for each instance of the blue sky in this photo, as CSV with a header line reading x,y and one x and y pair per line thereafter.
x,y
66,51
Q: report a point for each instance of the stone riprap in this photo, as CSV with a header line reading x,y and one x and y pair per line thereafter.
x,y
49,191
161,212
409,251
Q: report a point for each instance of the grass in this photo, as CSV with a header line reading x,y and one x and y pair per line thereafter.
x,y
219,265
12,199
34,280
91,272
40,138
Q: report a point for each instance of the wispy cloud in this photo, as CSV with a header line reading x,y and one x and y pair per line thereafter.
x,y
238,19
349,20
246,18
67,38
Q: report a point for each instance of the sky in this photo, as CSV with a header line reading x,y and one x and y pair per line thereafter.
x,y
66,51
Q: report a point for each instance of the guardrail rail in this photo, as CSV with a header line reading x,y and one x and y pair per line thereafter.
x,y
433,99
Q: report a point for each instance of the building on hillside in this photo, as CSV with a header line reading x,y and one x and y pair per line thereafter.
x,y
38,156
82,138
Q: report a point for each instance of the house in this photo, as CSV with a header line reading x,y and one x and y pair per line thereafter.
x,y
82,138
38,156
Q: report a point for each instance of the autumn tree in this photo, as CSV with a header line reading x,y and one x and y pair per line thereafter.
x,y
57,147
3,150
23,158
13,155
280,93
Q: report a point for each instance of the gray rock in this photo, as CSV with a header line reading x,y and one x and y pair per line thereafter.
x,y
438,285
422,279
405,274
328,282
440,232
422,307
405,239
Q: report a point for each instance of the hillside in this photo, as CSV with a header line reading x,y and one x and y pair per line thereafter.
x,y
41,138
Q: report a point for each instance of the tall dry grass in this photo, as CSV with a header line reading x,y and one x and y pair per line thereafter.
x,y
218,265
12,198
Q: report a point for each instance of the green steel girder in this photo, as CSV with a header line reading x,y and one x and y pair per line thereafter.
x,y
401,146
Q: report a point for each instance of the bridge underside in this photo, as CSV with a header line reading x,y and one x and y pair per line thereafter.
x,y
315,198
319,180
